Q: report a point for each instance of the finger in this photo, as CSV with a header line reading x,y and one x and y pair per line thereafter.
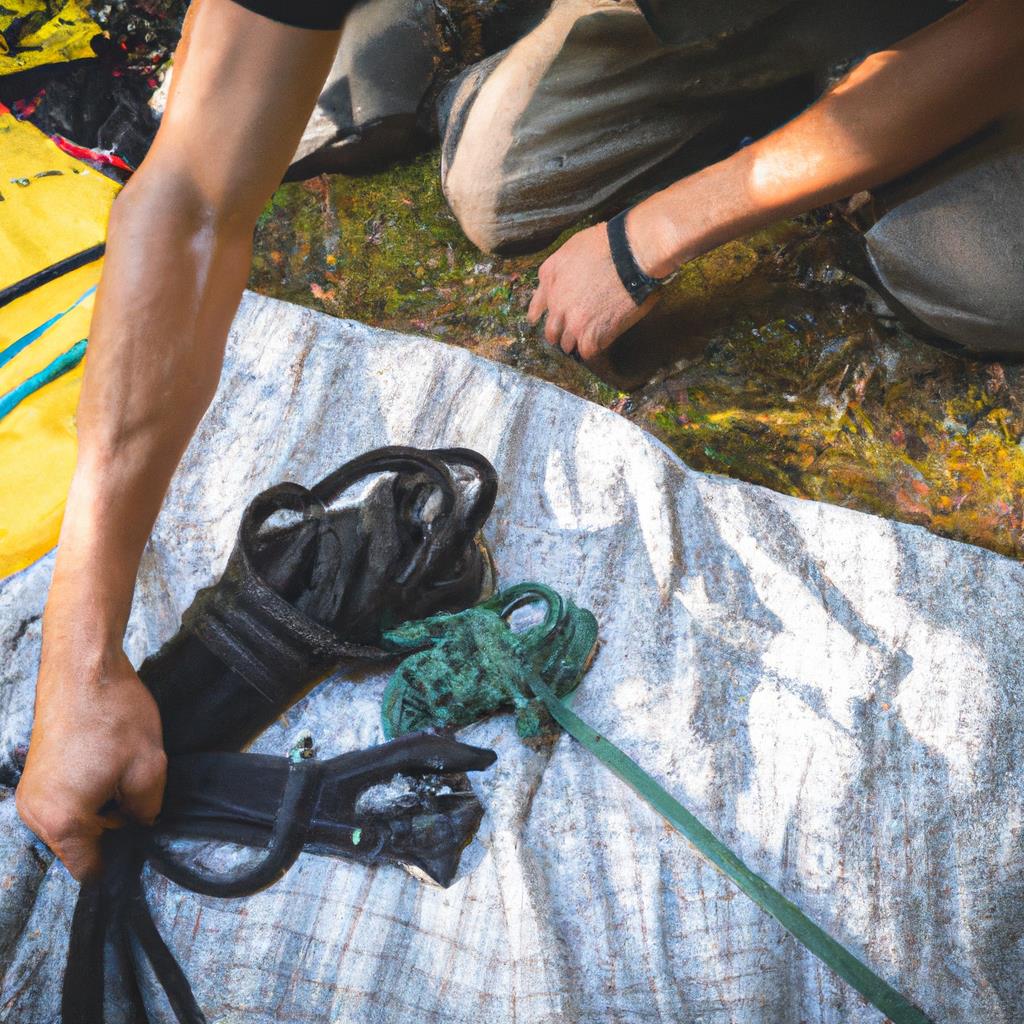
x,y
553,327
141,791
590,346
567,341
32,823
538,304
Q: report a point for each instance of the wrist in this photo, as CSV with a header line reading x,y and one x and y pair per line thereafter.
x,y
649,235
98,551
73,665
92,586
77,626
691,216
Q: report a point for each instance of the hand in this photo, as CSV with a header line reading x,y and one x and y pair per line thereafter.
x,y
587,305
95,741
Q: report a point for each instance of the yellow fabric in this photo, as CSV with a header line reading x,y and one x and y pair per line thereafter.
x,y
46,221
52,32
51,217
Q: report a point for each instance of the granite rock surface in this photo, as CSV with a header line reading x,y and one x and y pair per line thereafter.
x,y
836,695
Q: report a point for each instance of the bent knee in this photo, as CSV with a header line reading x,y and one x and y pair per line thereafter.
x,y
961,280
952,253
490,215
475,209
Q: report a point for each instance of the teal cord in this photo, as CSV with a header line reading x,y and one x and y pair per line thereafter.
x,y
877,991
61,365
19,344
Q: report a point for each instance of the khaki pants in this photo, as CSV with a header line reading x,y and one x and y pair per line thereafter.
x,y
950,250
591,107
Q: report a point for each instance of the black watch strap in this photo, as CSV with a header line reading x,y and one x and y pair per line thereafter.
x,y
634,280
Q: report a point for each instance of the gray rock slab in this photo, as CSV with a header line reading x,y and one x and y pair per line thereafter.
x,y
836,695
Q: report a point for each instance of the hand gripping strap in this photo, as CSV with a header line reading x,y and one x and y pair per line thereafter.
x,y
113,917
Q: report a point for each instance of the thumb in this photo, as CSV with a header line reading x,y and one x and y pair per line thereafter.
x,y
141,792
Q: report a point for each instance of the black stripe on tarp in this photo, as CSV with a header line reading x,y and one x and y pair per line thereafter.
x,y
51,273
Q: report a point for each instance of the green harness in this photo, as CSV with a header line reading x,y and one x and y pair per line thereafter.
x,y
465,666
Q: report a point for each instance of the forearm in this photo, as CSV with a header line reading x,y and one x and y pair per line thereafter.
x,y
171,283
894,112
177,259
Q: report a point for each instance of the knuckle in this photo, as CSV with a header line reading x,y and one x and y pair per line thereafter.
x,y
51,824
23,802
158,761
149,772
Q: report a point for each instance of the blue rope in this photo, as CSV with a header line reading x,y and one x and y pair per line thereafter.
x,y
68,361
7,354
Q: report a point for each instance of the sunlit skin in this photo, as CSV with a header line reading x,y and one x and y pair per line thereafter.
x,y
177,260
178,257
892,113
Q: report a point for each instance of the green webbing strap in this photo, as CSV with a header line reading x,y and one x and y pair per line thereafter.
x,y
878,992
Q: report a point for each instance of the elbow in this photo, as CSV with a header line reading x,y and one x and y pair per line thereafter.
x,y
164,203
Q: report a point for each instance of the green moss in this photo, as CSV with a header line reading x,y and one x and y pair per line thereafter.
x,y
762,361
385,250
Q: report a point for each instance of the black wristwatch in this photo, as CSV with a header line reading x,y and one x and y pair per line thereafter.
x,y
634,280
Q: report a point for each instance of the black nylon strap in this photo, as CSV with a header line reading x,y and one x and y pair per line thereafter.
x,y
272,803
634,280
51,273
284,846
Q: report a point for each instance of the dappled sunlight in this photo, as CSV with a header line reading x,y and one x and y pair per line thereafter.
x,y
950,712
797,758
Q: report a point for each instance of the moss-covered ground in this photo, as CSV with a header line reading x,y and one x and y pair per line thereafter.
x,y
766,360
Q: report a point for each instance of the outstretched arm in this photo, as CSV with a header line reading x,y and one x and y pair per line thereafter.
x,y
894,112
178,257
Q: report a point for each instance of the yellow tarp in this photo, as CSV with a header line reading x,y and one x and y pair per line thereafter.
x,y
47,220
45,216
37,32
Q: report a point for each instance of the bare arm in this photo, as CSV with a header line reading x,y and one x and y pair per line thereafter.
x,y
893,112
178,256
